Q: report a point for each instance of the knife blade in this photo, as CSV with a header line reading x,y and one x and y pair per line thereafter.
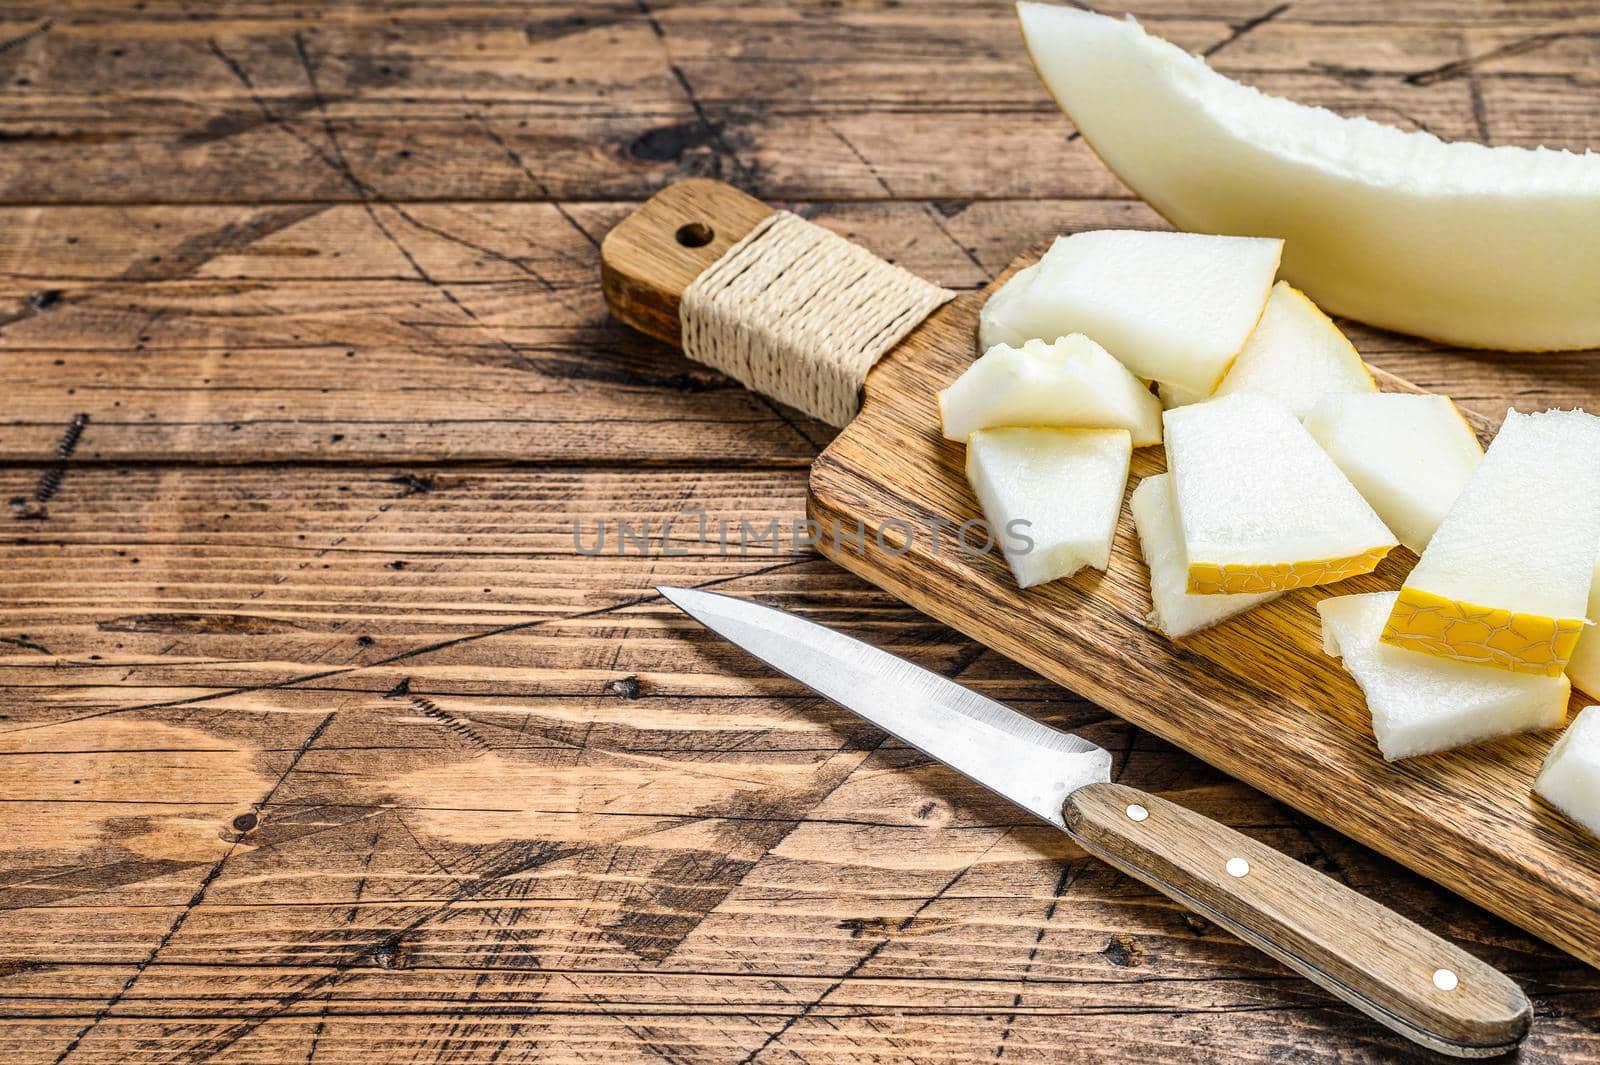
x,y
1033,765
1395,971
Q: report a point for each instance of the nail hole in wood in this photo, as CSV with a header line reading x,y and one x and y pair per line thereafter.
x,y
695,235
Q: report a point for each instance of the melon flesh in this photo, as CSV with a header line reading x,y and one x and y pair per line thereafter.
x,y
1583,668
1297,355
1071,382
1489,247
1261,508
1570,779
1051,496
1421,704
1505,579
1174,396
1408,455
1171,307
1174,610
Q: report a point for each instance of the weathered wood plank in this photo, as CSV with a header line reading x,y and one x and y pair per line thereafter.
x,y
602,811
456,870
469,332
485,102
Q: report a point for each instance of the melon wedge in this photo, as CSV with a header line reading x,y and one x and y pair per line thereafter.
x,y
1505,579
1570,779
1583,668
1421,704
1260,506
1172,307
1174,611
1051,496
1408,455
1489,247
1296,354
1071,382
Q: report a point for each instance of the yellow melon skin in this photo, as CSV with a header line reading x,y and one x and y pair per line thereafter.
x,y
1210,578
1449,628
1495,247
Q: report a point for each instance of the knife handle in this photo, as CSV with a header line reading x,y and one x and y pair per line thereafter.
x,y
1393,970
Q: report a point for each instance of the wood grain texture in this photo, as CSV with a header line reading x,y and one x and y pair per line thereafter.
x,y
257,530
1390,968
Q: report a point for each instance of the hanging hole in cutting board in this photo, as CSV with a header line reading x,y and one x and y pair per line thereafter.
x,y
695,235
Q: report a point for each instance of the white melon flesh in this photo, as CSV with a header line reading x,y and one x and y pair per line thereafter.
x,y
1051,496
1261,507
1408,455
1421,704
1505,579
1297,355
1583,668
1570,779
1174,610
1175,396
1071,382
1492,247
1172,307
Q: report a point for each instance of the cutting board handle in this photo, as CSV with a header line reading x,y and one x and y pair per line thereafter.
x,y
651,256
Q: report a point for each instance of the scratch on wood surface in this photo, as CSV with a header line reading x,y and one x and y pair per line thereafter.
x,y
50,479
865,959
407,655
1469,64
1247,26
189,907
23,38
1069,871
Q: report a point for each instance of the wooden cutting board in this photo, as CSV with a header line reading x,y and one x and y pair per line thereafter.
x,y
1255,696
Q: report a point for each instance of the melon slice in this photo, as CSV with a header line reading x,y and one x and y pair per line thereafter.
x,y
1421,704
1296,354
1260,506
1505,579
1174,396
1072,382
1570,779
1583,668
1172,307
1051,496
1492,247
1174,611
1408,455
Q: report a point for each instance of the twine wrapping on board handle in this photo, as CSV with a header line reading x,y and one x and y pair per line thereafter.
x,y
800,314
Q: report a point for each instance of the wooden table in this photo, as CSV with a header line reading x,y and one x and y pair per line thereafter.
x,y
322,739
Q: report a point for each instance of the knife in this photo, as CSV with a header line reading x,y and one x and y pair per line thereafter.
x,y
1391,969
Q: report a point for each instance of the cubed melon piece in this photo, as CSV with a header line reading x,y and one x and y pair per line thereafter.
x,y
1583,668
1174,610
1172,307
1071,382
1420,703
1260,506
1051,496
1297,355
1570,779
1408,455
1505,579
